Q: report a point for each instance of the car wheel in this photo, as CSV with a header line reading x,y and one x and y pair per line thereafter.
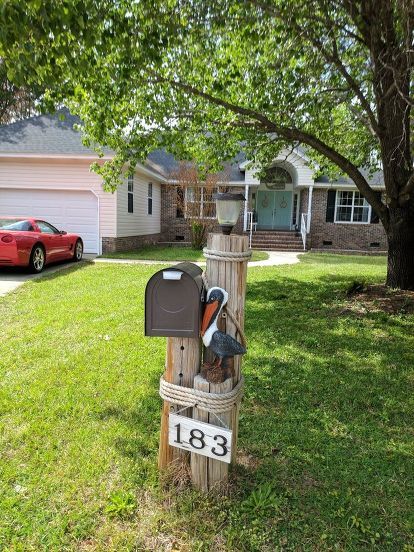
x,y
78,252
37,259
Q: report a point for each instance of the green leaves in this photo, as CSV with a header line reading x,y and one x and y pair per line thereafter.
x,y
184,75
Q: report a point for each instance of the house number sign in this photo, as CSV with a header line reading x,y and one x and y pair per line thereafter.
x,y
200,437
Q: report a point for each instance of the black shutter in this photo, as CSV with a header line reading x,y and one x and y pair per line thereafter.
x,y
374,216
330,206
130,203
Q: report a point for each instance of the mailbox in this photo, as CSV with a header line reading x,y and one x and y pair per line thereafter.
x,y
174,299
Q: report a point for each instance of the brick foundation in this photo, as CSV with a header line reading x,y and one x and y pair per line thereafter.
x,y
345,237
128,243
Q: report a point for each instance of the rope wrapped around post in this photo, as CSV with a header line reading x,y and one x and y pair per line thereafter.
x,y
209,402
227,256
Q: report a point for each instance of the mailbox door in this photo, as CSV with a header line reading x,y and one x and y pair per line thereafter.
x,y
173,307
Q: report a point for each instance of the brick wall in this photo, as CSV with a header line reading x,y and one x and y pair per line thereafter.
x,y
350,237
178,229
128,243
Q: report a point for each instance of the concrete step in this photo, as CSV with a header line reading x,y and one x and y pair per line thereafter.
x,y
287,249
276,240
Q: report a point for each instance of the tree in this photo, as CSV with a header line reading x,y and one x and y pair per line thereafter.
x,y
15,103
201,78
195,200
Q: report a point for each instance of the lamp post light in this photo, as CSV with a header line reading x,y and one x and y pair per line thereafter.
x,y
228,210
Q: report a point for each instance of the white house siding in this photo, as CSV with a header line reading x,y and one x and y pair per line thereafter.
x,y
60,174
302,174
139,223
71,210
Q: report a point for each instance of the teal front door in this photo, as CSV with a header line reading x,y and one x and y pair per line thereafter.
x,y
274,210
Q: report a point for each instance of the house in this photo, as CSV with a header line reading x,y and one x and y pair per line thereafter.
x,y
291,210
45,172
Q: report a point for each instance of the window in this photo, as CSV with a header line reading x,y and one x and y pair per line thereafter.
x,y
16,224
351,207
46,228
276,178
149,209
200,202
130,193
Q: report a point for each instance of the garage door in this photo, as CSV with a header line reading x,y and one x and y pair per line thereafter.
x,y
71,211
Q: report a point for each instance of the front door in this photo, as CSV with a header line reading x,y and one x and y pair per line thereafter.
x,y
274,209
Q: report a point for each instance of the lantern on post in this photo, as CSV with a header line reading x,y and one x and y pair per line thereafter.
x,y
228,210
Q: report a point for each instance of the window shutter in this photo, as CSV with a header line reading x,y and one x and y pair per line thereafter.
x,y
330,206
374,217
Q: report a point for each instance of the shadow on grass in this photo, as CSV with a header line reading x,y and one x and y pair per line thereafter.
x,y
326,422
328,400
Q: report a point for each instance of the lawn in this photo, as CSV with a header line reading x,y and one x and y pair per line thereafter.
x,y
172,254
326,428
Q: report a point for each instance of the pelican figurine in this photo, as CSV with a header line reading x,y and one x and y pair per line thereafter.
x,y
222,345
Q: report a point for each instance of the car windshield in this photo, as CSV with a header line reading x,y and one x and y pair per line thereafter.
x,y
16,224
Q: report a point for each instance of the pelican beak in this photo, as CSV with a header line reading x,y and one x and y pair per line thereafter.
x,y
209,312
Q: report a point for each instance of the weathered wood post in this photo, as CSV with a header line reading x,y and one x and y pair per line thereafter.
x,y
173,309
199,416
181,366
227,257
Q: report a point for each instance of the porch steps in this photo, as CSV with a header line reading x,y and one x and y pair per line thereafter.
x,y
277,240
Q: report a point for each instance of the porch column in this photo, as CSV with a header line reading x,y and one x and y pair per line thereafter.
x,y
246,207
309,209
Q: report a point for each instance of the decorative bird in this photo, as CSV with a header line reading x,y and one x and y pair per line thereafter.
x,y
221,344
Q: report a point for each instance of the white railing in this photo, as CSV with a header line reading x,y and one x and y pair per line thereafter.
x,y
251,226
304,228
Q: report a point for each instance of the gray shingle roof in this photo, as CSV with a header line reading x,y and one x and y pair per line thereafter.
x,y
44,134
167,164
51,135
48,134
375,179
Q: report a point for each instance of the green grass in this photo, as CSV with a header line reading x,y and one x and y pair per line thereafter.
x,y
172,254
326,433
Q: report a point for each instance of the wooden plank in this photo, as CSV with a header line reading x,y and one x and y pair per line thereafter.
x,y
182,364
199,464
240,244
218,471
232,277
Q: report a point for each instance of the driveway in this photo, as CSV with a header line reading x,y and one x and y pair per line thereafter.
x,y
12,278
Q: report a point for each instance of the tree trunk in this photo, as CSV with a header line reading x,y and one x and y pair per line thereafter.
x,y
400,270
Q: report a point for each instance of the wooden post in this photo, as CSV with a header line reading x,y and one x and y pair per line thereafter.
x,y
208,473
182,364
232,277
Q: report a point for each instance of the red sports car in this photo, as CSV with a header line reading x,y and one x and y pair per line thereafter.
x,y
35,243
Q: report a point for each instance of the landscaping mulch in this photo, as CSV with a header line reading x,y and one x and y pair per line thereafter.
x,y
379,298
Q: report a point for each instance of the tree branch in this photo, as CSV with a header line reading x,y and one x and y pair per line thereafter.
x,y
332,57
291,134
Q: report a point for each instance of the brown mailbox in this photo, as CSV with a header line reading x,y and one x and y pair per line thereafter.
x,y
173,301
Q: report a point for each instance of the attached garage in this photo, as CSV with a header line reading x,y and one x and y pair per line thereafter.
x,y
70,210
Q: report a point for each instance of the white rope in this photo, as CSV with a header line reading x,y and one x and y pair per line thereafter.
x,y
227,256
210,402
